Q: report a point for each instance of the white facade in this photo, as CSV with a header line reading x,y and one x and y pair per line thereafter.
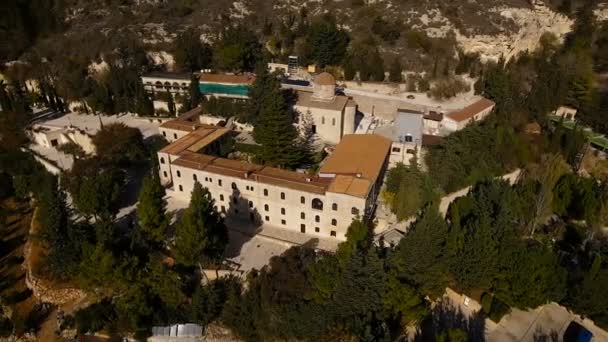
x,y
274,205
333,115
161,82
54,137
402,152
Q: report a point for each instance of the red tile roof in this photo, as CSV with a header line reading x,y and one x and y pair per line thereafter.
x,y
471,110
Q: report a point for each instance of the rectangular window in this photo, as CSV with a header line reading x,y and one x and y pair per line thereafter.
x,y
283,222
223,209
265,192
219,182
195,178
221,197
282,211
303,228
165,173
333,233
396,149
181,188
317,229
267,219
282,195
408,138
179,174
302,216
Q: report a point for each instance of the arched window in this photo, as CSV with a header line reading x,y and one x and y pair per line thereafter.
x,y
164,133
302,200
334,222
181,188
162,160
195,178
265,192
354,211
165,173
179,174
266,207
334,206
233,185
250,204
174,135
317,204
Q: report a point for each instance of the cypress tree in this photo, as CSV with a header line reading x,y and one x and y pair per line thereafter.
x,y
195,92
201,234
170,104
395,71
151,209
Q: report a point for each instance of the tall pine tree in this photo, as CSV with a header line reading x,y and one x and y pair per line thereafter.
x,y
274,128
151,209
201,233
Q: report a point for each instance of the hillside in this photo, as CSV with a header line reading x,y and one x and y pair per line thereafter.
x,y
492,28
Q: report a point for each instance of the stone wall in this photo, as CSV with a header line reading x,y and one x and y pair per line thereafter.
x,y
42,289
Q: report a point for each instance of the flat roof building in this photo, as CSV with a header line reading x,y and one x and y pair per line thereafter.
x,y
173,82
322,205
226,85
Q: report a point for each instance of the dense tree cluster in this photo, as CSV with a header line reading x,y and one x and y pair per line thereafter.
x,y
408,189
27,21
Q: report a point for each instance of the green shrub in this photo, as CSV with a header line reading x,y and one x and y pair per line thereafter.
x,y
493,307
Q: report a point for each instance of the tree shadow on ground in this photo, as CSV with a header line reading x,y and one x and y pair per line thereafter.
x,y
540,335
243,221
445,317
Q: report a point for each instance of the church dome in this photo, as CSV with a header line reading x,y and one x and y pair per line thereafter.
x,y
325,78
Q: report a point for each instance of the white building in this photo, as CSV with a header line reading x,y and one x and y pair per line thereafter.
x,y
406,133
566,112
160,82
333,115
322,205
53,137
457,120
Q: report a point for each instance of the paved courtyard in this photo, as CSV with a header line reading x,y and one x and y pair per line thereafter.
x,y
252,247
543,321
91,123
